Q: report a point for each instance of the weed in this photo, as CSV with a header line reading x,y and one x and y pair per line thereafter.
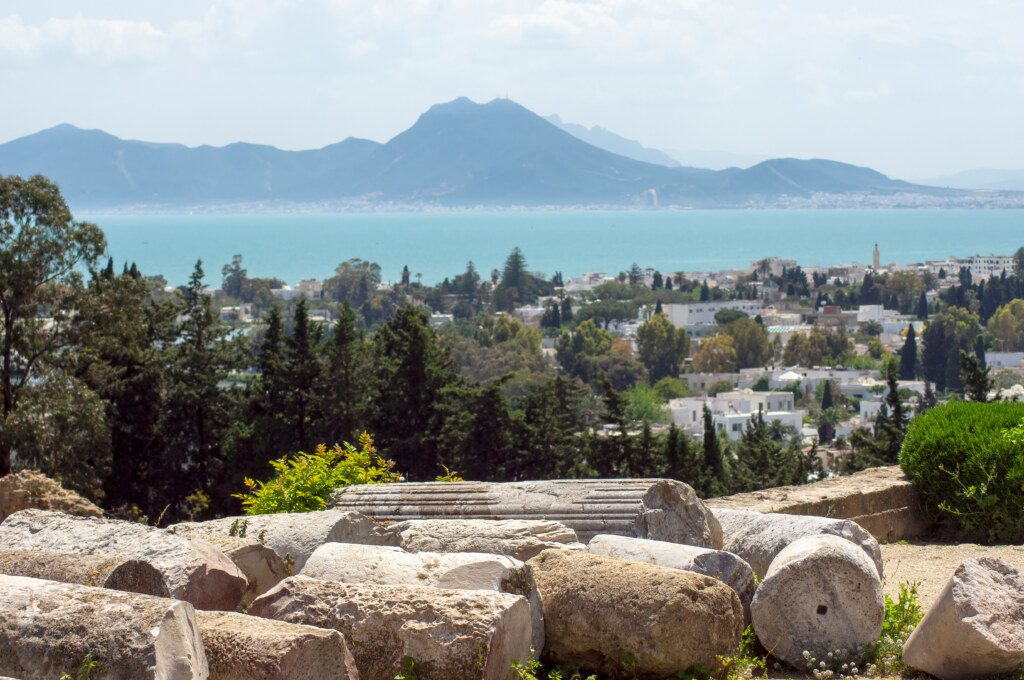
x,y
408,671
84,670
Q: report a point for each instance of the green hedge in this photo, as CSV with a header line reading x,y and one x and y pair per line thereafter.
x,y
967,461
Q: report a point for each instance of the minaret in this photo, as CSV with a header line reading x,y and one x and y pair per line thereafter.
x,y
876,259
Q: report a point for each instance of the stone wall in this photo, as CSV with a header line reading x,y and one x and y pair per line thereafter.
x,y
881,500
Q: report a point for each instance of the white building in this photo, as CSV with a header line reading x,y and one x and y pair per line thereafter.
x,y
588,281
732,411
1000,360
982,267
774,265
698,315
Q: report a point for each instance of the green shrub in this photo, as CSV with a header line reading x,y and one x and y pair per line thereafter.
x,y
967,461
304,481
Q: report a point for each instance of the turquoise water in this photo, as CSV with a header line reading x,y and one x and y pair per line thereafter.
x,y
293,247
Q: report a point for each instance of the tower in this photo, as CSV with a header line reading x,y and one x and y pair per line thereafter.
x,y
876,259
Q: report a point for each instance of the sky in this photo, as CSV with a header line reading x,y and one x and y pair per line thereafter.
x,y
914,89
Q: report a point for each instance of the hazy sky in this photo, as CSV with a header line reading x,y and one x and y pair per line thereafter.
x,y
914,89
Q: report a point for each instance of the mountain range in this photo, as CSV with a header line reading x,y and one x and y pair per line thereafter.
x,y
460,153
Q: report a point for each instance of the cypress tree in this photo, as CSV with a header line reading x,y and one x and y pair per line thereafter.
x,y
974,376
908,356
714,464
705,291
302,377
657,308
922,307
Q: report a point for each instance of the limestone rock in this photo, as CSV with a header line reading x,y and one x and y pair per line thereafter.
x,y
262,567
449,634
617,617
295,535
518,538
976,628
30,489
241,647
820,594
101,571
718,564
758,537
659,509
386,565
194,571
48,628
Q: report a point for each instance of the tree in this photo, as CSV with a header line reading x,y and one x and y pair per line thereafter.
x,y
346,380
716,354
412,378
705,291
827,417
922,306
302,374
908,355
714,482
1007,326
947,333
42,251
235,278
751,342
974,376
662,347
198,411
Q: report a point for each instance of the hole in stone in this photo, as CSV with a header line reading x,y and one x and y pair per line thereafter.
x,y
822,610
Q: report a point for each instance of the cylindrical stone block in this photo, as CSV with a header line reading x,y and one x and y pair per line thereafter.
x,y
295,535
193,570
820,594
48,628
758,537
659,509
262,567
386,565
718,564
518,538
628,619
976,628
447,634
241,647
115,572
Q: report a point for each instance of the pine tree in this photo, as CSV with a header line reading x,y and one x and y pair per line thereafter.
x,y
826,426
346,381
714,482
657,281
908,356
894,427
302,378
566,310
974,376
929,400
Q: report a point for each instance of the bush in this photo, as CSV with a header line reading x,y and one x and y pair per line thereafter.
x,y
304,481
967,461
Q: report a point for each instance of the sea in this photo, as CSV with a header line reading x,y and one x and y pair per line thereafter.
x,y
435,245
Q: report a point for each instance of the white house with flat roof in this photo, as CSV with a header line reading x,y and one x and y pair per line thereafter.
x,y
697,315
732,411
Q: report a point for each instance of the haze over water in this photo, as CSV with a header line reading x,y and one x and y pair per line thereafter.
x,y
436,245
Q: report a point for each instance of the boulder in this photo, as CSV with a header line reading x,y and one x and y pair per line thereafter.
x,y
627,618
447,634
386,565
193,570
518,538
295,535
241,647
659,509
101,571
30,489
758,537
976,628
718,564
48,628
820,594
262,567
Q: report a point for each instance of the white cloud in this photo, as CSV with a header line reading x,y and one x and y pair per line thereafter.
x,y
109,39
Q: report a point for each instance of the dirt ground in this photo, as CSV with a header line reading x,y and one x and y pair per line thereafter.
x,y
931,565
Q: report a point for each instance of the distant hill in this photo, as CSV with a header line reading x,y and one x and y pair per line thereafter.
x,y
715,160
609,141
983,179
457,154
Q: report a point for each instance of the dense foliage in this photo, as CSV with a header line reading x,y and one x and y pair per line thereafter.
x,y
303,482
967,460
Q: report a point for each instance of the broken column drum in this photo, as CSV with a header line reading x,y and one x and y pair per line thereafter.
x,y
659,509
